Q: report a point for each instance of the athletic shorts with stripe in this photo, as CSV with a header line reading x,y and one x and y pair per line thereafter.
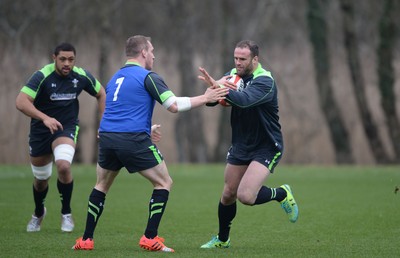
x,y
134,151
40,141
266,156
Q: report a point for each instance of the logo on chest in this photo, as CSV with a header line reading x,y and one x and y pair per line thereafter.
x,y
75,82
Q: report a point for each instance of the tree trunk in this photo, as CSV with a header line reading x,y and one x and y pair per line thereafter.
x,y
190,138
318,37
351,45
387,36
105,48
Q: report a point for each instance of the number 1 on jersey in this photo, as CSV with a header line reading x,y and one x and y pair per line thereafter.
x,y
119,83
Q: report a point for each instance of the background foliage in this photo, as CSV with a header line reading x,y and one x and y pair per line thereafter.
x,y
336,64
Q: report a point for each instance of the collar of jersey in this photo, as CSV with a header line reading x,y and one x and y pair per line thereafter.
x,y
132,63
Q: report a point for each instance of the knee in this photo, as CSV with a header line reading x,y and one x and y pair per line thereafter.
x,y
63,167
166,183
246,198
169,182
228,196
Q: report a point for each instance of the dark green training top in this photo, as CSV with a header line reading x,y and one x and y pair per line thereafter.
x,y
57,96
254,117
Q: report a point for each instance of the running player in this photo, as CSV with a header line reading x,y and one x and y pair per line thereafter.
x,y
50,98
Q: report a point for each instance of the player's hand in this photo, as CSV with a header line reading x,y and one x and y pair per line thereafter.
x,y
207,78
52,124
155,133
215,94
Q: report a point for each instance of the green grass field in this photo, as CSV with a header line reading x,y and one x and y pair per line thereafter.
x,y
344,212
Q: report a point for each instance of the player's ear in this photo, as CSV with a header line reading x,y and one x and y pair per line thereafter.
x,y
144,53
54,57
255,60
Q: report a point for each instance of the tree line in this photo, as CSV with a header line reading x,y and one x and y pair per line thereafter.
x,y
192,33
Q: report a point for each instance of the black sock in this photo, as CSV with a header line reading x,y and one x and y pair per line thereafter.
x,y
226,213
39,198
157,206
268,194
95,209
65,191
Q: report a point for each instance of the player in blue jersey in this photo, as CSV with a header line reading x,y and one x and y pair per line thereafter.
x,y
257,143
125,138
50,98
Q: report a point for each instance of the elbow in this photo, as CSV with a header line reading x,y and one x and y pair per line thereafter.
x,y
18,104
173,108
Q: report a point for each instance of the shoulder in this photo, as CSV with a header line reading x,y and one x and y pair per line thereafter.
x,y
46,70
261,72
39,76
154,76
80,71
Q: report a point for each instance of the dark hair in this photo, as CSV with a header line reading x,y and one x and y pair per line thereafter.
x,y
250,45
135,44
64,47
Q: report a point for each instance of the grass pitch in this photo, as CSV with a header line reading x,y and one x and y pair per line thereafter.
x,y
344,212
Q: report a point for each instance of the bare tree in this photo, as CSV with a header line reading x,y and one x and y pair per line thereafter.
x,y
387,37
318,37
353,59
190,138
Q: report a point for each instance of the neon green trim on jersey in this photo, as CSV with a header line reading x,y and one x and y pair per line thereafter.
x,y
258,72
48,69
28,91
156,154
82,72
166,95
79,70
132,63
261,72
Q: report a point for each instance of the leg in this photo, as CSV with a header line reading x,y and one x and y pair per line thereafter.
x,y
63,151
41,168
227,206
105,178
251,190
251,182
232,176
162,183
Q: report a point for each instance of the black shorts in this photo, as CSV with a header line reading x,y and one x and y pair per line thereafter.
x,y
40,142
134,151
267,157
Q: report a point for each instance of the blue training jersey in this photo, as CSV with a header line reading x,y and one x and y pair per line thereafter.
x,y
130,98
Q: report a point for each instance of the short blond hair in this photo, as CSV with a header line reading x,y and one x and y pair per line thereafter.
x,y
135,44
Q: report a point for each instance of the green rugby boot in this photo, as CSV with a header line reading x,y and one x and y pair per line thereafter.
x,y
216,243
289,204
